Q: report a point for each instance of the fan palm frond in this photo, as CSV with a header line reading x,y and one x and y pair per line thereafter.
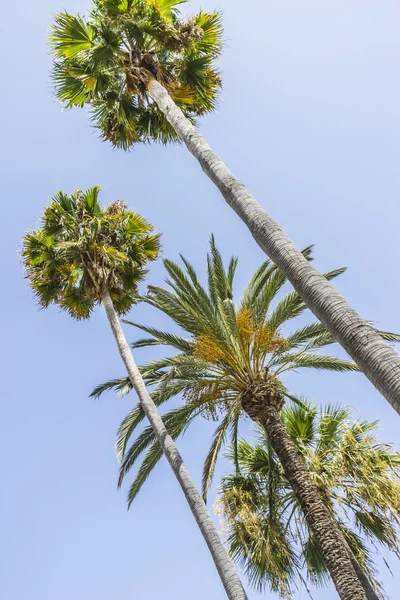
x,y
106,60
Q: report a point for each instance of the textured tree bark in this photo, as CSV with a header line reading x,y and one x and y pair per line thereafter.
x,y
324,527
378,361
365,582
222,561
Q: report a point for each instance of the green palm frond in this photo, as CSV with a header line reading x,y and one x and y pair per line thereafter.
x,y
190,294
168,7
389,337
228,422
70,36
308,335
376,526
270,290
154,454
136,416
161,338
105,61
257,283
296,360
300,424
332,418
176,421
210,43
173,307
83,250
292,306
146,438
225,346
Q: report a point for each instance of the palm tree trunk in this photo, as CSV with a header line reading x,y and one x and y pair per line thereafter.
x,y
378,361
364,580
321,523
222,561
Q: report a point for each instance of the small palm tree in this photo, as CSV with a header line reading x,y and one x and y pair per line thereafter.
x,y
147,74
84,255
357,477
230,366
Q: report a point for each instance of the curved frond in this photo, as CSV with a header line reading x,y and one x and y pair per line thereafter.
x,y
296,360
176,421
389,337
121,386
292,305
70,36
211,459
161,338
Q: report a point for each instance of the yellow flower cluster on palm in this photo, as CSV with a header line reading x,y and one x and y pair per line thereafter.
x,y
227,350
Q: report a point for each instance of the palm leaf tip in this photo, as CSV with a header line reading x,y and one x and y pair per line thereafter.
x,y
121,386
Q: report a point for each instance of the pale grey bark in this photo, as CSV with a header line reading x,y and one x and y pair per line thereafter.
x,y
378,361
222,561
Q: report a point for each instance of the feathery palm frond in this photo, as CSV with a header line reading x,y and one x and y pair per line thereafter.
x,y
225,348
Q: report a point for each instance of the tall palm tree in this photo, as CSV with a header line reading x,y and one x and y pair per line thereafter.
x,y
230,366
84,255
357,476
147,74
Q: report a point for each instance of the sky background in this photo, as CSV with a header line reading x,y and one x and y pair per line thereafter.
x,y
309,120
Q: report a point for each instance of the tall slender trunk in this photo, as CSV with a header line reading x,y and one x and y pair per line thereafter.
x,y
321,523
364,580
222,561
379,362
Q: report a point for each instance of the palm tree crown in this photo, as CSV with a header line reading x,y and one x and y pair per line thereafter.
x,y
357,476
231,354
106,60
83,250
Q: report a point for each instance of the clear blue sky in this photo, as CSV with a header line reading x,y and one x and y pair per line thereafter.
x,y
309,119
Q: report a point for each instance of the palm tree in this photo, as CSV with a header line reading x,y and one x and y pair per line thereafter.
x,y
231,366
147,74
84,255
358,479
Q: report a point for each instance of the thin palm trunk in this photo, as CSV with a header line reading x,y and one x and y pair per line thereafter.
x,y
321,523
222,561
378,361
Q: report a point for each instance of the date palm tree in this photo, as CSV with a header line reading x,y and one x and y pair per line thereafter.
x,y
84,255
230,365
358,479
147,73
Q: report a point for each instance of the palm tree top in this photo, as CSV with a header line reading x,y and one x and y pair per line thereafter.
x,y
357,475
83,250
105,60
228,355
